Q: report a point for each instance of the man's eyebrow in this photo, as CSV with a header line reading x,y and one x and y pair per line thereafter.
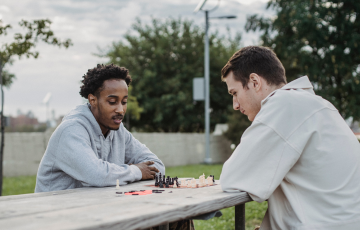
x,y
112,96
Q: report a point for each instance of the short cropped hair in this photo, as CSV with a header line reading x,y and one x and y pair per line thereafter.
x,y
94,79
255,59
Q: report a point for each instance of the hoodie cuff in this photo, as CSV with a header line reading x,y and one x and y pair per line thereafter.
x,y
136,172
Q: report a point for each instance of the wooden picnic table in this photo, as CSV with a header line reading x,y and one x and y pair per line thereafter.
x,y
102,208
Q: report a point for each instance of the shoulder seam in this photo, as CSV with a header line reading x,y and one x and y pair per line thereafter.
x,y
286,141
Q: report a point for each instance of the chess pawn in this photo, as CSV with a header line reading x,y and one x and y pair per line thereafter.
x,y
117,184
210,181
175,186
156,181
193,183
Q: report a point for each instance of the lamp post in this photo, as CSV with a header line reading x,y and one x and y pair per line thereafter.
x,y
206,73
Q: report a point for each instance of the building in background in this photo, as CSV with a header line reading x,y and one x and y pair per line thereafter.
x,y
24,122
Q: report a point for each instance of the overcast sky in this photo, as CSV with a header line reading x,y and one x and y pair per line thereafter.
x,y
91,24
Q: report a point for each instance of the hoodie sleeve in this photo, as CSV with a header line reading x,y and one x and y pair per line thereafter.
x,y
136,152
258,168
76,158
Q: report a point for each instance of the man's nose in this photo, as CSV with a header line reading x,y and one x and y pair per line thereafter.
x,y
120,109
236,104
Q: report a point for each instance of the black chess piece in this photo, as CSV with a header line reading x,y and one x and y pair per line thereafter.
x,y
213,178
167,184
177,183
164,179
156,180
161,185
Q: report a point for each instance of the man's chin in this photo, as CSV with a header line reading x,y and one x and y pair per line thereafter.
x,y
114,128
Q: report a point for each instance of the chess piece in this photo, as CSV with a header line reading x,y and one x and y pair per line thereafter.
x,y
117,184
167,184
156,181
175,185
193,183
188,184
202,181
210,180
161,185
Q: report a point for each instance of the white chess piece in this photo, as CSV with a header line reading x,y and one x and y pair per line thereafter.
x,y
210,181
117,184
188,184
193,183
202,181
175,186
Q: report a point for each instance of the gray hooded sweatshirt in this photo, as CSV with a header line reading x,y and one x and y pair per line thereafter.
x,y
79,155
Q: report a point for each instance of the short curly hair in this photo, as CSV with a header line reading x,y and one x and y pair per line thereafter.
x,y
93,80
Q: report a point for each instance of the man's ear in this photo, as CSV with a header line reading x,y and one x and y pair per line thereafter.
x,y
92,100
255,82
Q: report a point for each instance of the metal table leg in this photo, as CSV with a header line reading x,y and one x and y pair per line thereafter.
x,y
165,227
240,217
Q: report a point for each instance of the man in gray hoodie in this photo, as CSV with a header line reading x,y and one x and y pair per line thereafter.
x,y
91,147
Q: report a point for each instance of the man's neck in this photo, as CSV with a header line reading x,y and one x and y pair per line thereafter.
x,y
269,89
105,131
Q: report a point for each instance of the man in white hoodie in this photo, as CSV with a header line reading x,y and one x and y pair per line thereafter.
x,y
298,153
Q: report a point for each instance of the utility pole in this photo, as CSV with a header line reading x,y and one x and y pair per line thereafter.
x,y
2,129
207,91
199,7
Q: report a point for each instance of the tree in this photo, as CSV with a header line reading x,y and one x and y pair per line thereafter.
x,y
22,45
163,58
238,123
320,39
133,109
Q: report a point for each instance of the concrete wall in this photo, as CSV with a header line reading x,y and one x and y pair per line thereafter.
x,y
23,151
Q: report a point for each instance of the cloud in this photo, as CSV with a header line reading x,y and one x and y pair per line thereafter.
x,y
4,8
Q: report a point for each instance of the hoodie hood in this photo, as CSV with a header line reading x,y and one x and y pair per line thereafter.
x,y
83,114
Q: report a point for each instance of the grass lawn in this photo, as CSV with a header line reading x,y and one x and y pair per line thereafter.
x,y
254,211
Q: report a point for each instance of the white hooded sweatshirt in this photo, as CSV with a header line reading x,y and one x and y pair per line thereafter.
x,y
300,155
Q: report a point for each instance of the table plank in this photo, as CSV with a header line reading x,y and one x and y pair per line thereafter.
x,y
94,208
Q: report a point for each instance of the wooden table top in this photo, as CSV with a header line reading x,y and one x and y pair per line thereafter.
x,y
95,208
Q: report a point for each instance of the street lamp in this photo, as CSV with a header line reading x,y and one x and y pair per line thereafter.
x,y
206,72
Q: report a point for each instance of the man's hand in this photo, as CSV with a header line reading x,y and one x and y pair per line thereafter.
x,y
148,172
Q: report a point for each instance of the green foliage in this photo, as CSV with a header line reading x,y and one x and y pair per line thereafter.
x,y
23,44
163,58
133,108
238,123
8,78
254,212
320,39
